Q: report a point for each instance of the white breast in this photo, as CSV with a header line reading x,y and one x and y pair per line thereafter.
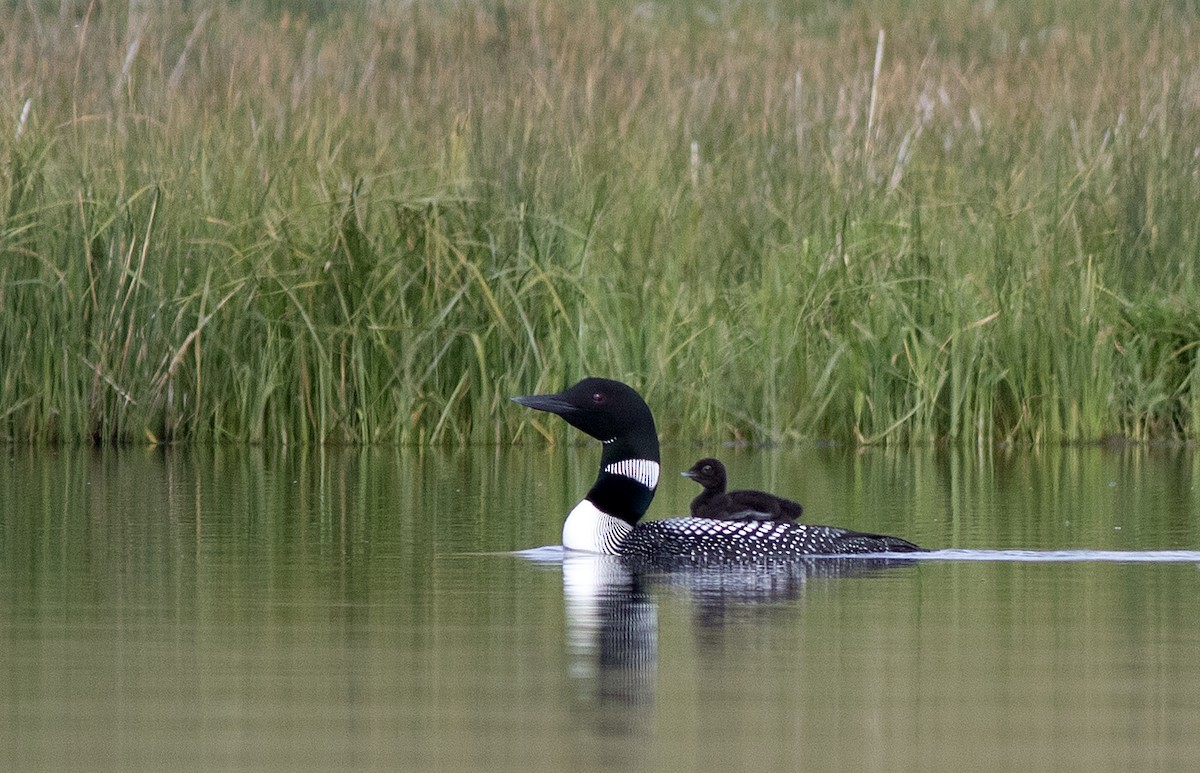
x,y
592,530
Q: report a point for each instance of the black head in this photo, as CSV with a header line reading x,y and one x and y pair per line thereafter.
x,y
609,411
709,473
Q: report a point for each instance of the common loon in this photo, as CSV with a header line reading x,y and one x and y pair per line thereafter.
x,y
740,505
606,520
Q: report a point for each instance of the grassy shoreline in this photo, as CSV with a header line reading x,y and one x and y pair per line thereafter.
x,y
225,223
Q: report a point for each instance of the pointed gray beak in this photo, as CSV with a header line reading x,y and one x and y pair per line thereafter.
x,y
549,403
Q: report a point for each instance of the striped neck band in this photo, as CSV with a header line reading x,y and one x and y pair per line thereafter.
x,y
643,471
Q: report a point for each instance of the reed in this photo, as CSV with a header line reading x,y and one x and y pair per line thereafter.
x,y
313,223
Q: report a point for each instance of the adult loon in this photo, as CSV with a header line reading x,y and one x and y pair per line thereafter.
x,y
606,520
740,505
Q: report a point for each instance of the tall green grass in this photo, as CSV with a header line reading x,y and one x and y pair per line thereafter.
x,y
342,223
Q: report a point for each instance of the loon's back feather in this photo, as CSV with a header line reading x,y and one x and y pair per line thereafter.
x,y
704,538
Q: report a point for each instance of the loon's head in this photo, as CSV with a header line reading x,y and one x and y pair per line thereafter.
x,y
617,416
612,412
709,473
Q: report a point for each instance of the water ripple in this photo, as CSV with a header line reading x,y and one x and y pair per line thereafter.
x,y
1047,556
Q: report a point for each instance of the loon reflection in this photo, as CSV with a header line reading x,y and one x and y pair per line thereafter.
x,y
612,615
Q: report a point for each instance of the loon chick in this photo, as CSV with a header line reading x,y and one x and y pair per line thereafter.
x,y
606,520
741,505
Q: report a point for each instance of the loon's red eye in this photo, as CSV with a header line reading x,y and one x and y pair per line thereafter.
x,y
599,398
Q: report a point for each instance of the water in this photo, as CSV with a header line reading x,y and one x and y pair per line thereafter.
x,y
253,609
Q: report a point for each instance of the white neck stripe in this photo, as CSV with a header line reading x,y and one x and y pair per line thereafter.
x,y
643,471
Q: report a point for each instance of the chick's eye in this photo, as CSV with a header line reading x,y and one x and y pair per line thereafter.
x,y
598,398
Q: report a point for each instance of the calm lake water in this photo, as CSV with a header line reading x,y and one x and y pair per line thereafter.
x,y
243,609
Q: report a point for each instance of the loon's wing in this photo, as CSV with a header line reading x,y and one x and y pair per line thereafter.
x,y
771,507
750,514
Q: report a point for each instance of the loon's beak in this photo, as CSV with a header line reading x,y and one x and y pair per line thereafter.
x,y
549,403
688,474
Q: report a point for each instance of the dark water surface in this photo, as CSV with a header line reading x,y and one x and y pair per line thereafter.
x,y
200,609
